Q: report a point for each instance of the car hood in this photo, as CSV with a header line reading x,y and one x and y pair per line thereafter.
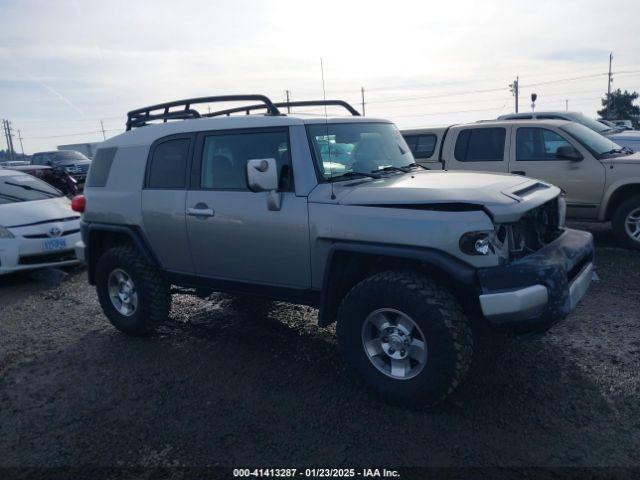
x,y
635,134
633,158
504,196
37,211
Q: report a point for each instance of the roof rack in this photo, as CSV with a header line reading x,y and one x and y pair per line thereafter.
x,y
141,116
304,103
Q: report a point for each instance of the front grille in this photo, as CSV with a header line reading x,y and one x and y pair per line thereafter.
x,y
63,256
78,169
534,230
45,235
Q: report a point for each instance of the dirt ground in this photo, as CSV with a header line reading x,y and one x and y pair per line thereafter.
x,y
222,384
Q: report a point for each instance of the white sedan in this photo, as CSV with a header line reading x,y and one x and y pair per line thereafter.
x,y
37,226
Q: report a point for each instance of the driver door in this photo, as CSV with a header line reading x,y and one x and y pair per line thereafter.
x,y
232,233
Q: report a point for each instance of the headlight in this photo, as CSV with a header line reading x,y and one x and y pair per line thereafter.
x,y
4,233
562,211
477,243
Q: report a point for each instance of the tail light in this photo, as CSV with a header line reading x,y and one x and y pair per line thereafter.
x,y
78,203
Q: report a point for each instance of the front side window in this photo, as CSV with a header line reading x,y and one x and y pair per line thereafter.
x,y
480,145
168,168
25,188
225,157
422,146
538,144
357,148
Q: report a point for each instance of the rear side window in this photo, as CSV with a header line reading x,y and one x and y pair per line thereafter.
x,y
422,146
100,167
168,167
480,145
224,158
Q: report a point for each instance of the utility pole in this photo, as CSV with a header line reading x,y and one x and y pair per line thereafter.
x,y
104,137
566,105
609,80
20,138
515,89
362,93
287,92
7,132
4,130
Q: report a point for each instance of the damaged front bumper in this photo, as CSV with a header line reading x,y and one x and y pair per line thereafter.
x,y
533,293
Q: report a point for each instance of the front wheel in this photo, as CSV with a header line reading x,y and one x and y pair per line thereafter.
x,y
626,223
406,335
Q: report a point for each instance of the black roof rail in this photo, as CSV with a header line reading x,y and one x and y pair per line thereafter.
x,y
141,116
302,103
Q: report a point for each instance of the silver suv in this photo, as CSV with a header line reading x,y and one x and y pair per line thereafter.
x,y
332,213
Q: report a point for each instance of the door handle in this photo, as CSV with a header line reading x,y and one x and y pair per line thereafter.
x,y
519,172
200,211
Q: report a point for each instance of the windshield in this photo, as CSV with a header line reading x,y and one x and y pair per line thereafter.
x,y
592,141
68,157
591,123
25,188
345,149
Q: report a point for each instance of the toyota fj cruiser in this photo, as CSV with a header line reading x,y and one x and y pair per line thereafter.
x,y
332,213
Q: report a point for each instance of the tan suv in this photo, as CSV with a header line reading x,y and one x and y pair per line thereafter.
x,y
601,180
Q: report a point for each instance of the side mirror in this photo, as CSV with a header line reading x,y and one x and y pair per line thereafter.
x,y
262,176
567,152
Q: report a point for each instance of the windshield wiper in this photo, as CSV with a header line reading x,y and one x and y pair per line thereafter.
x,y
13,197
614,151
391,169
348,175
34,189
415,164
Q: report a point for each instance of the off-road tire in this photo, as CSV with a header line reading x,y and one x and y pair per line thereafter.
x,y
154,298
618,222
437,313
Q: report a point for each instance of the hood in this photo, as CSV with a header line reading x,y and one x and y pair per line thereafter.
x,y
506,197
630,134
37,211
634,158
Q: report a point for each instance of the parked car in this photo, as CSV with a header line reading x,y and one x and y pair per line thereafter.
x,y
629,139
37,226
403,258
75,163
601,180
57,177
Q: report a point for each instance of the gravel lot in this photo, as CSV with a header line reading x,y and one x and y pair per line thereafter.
x,y
224,385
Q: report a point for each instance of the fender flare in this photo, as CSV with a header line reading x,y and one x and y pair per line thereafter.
x,y
459,271
133,233
611,191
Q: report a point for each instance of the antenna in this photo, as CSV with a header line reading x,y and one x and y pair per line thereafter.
x,y
326,123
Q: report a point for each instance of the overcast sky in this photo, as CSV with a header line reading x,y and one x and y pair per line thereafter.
x,y
68,64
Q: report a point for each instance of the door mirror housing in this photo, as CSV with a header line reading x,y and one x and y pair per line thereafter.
x,y
262,176
567,152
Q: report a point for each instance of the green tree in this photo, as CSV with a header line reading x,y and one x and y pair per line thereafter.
x,y
622,107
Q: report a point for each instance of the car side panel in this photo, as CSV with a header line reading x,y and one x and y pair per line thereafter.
x,y
165,227
119,201
390,226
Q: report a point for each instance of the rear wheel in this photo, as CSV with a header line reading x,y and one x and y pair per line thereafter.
x,y
626,223
406,336
133,294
